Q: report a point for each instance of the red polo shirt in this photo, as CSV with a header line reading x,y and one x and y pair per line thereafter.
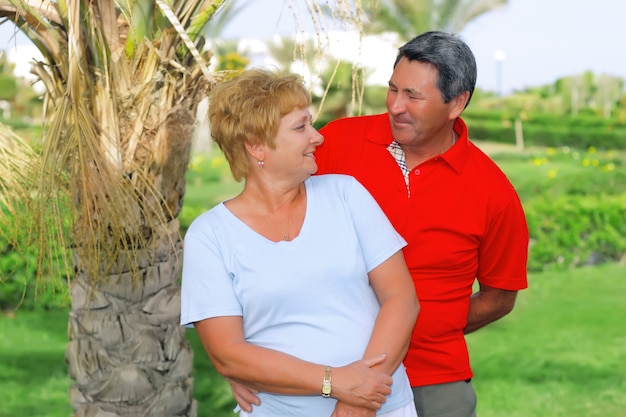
x,y
463,221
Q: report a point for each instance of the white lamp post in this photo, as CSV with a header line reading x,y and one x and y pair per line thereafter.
x,y
499,56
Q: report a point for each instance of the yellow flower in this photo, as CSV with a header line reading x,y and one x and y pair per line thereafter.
x,y
608,167
216,162
552,173
195,163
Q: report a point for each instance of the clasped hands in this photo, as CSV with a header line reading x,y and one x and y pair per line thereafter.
x,y
359,388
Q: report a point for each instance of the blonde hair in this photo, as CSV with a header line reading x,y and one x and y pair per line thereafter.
x,y
248,108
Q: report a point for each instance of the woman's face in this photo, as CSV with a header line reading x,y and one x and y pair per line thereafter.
x,y
295,141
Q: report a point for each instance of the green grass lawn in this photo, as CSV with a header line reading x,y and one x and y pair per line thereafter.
x,y
562,352
33,376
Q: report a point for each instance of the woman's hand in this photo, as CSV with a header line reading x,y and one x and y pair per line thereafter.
x,y
360,385
356,385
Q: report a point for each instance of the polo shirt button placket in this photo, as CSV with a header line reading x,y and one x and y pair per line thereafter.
x,y
417,172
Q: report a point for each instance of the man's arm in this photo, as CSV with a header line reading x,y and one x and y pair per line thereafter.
x,y
245,397
488,305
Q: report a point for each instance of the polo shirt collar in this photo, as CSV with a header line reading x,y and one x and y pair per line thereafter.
x,y
379,132
457,155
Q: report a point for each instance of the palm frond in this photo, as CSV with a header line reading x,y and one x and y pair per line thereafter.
x,y
182,32
109,118
17,162
470,10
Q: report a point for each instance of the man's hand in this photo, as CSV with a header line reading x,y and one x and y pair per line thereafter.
x,y
244,396
345,410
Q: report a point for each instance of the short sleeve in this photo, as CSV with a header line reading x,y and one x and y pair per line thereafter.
x,y
207,287
379,240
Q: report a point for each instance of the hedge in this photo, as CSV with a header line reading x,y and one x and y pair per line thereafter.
x,y
547,129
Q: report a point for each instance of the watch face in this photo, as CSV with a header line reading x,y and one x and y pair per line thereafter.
x,y
326,383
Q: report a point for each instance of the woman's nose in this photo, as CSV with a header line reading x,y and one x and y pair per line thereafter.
x,y
318,139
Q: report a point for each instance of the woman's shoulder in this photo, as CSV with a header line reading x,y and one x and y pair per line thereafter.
x,y
341,182
329,179
215,214
345,186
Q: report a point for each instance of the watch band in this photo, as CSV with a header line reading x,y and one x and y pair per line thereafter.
x,y
327,386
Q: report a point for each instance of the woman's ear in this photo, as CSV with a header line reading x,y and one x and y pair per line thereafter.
x,y
256,151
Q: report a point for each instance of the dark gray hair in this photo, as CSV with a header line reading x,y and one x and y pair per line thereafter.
x,y
452,58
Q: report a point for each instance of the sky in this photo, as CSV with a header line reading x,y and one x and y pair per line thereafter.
x,y
539,40
542,40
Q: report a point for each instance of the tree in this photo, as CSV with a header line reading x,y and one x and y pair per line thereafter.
x,y
411,17
608,91
122,85
123,81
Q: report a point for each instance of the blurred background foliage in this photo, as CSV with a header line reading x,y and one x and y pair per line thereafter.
x,y
565,142
563,145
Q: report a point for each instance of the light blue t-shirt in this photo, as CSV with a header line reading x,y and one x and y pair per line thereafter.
x,y
309,297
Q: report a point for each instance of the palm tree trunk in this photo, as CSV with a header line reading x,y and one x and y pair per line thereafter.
x,y
127,352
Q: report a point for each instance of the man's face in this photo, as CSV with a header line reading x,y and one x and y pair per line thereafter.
x,y
416,109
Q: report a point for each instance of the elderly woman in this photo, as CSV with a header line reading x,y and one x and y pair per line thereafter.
x,y
297,286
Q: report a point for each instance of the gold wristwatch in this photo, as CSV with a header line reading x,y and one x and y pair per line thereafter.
x,y
327,383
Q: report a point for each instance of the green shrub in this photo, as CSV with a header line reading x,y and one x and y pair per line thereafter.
x,y
571,231
19,287
547,129
8,87
209,181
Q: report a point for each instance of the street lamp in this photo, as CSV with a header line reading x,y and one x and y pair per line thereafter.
x,y
499,56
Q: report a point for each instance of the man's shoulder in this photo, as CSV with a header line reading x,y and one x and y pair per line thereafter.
x,y
482,160
354,121
349,131
490,173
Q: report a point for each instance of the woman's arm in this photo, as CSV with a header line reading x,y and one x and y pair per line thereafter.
x,y
399,308
267,370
